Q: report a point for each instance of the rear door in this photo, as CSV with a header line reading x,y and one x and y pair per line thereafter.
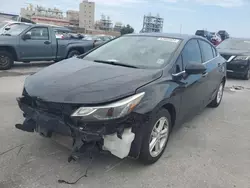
x,y
38,47
212,79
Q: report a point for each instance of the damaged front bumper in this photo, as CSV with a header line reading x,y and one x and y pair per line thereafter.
x,y
121,137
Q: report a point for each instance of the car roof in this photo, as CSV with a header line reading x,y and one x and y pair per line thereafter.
x,y
168,35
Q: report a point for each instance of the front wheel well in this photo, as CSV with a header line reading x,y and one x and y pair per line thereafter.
x,y
224,80
9,49
171,109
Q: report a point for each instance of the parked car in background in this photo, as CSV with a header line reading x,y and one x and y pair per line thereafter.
x,y
237,53
204,33
7,24
224,34
126,95
97,40
215,39
91,37
105,38
33,42
61,32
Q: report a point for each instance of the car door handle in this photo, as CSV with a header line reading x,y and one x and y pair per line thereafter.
x,y
204,74
47,42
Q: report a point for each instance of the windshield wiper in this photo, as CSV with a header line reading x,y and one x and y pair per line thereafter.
x,y
115,63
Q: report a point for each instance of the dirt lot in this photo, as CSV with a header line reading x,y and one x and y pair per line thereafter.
x,y
211,150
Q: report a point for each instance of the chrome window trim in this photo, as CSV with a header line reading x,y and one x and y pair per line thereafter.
x,y
182,72
231,58
179,73
210,60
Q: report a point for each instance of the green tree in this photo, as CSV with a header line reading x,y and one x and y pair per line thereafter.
x,y
127,29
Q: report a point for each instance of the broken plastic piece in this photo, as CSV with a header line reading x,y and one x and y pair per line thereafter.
x,y
28,125
119,147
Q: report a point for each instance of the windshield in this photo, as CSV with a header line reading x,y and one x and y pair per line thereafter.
x,y
138,51
15,29
239,44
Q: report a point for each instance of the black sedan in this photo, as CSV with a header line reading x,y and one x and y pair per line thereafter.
x,y
125,96
237,53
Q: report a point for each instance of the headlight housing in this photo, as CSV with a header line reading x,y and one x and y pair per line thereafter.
x,y
243,58
111,111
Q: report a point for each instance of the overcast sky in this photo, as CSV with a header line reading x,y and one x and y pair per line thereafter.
x,y
213,15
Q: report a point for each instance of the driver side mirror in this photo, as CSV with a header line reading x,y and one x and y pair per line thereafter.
x,y
26,37
195,68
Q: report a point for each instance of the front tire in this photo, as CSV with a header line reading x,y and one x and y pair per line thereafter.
x,y
6,60
156,137
217,100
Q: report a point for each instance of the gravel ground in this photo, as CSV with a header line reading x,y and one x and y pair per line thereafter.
x,y
211,150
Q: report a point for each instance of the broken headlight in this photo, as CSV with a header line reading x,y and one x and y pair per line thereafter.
x,y
110,111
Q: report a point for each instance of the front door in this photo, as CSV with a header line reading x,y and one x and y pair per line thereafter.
x,y
38,46
193,88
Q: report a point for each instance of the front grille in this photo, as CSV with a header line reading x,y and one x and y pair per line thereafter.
x,y
58,109
226,56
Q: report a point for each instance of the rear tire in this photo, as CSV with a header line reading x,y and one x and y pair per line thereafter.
x,y
151,151
6,60
217,100
73,53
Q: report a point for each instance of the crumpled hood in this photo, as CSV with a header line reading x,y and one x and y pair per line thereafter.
x,y
79,81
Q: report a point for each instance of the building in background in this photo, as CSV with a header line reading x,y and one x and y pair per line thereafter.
x,y
104,23
152,24
118,26
43,15
87,14
73,17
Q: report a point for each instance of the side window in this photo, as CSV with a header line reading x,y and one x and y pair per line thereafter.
x,y
206,51
39,33
191,53
178,65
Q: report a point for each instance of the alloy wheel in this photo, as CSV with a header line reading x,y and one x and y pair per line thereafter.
x,y
159,137
220,93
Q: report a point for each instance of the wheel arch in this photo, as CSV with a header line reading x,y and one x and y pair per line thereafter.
x,y
172,111
224,80
11,50
79,49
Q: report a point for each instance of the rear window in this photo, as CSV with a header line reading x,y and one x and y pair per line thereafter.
x,y
139,51
235,44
